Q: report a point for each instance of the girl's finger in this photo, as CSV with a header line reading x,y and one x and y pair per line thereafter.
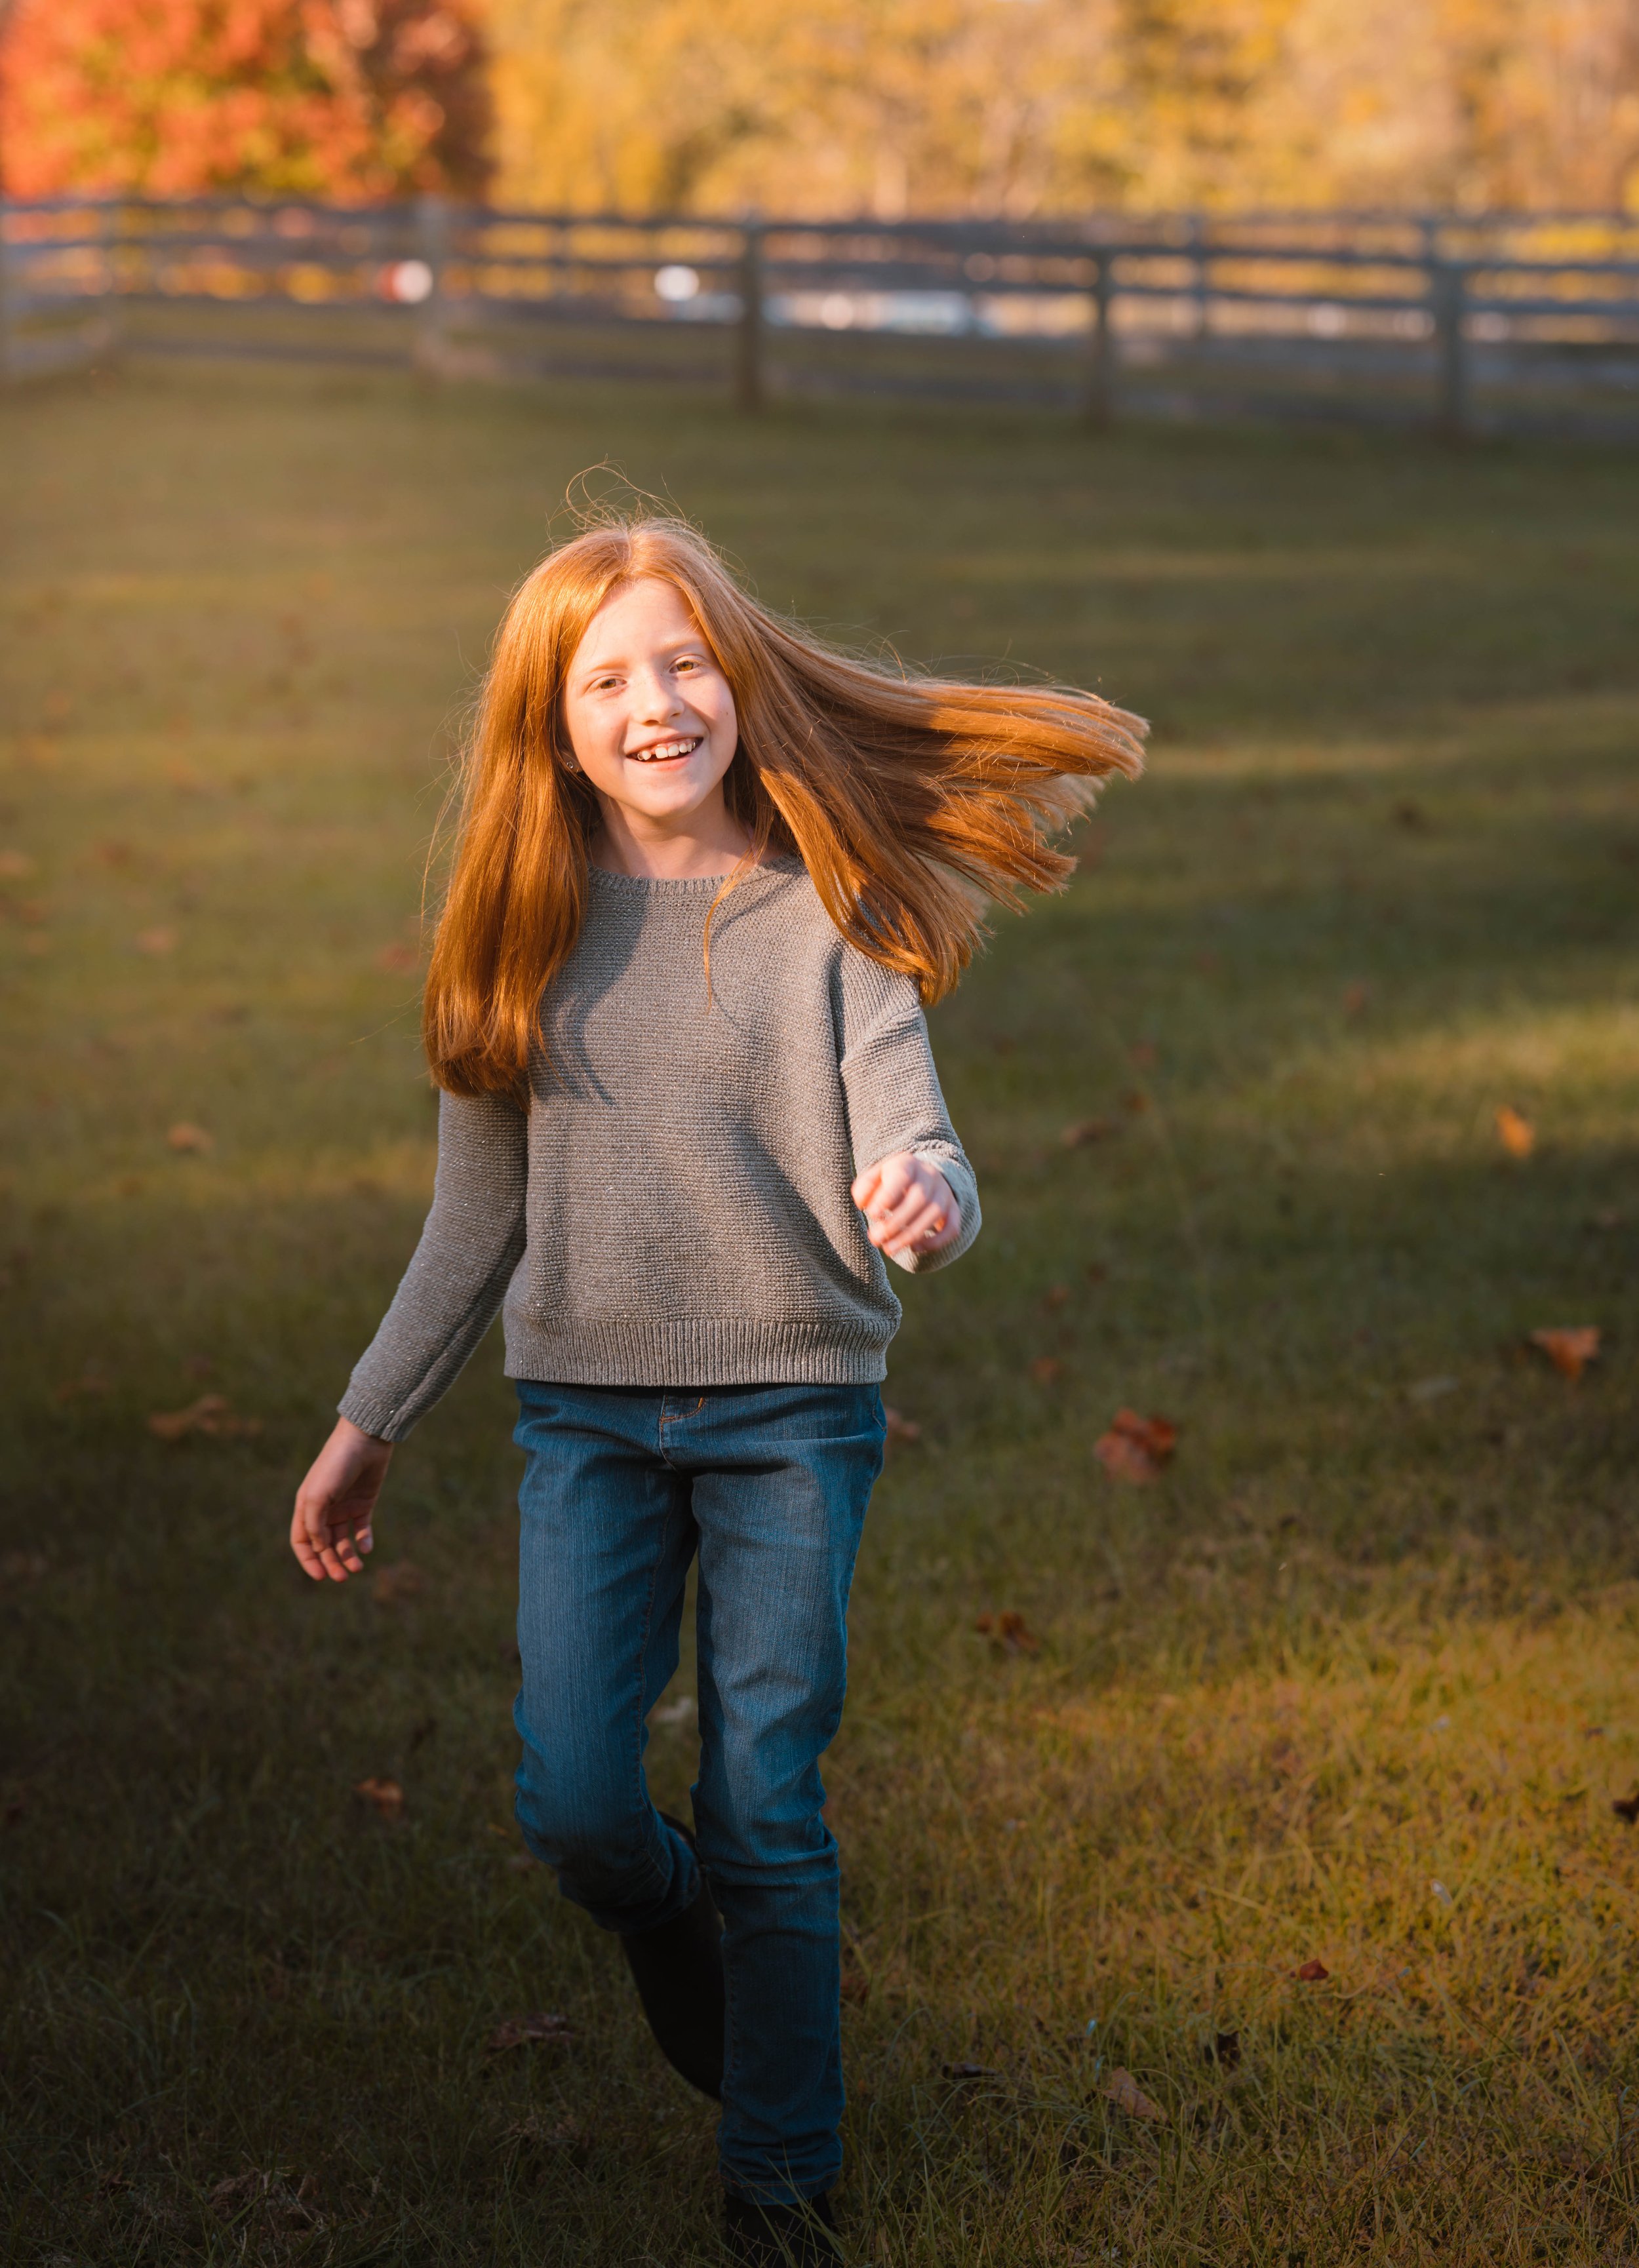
x,y
891,1219
919,1221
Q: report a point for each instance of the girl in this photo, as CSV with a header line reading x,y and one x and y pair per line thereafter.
x,y
709,872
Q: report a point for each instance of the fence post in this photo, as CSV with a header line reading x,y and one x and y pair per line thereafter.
x,y
1200,289
1447,289
749,337
7,369
432,241
1099,406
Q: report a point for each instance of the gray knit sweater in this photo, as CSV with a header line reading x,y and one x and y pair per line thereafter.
x,y
672,1210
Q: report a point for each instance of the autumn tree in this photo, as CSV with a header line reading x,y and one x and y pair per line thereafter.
x,y
348,99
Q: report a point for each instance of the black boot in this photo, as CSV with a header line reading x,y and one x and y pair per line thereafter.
x,y
758,2236
679,1973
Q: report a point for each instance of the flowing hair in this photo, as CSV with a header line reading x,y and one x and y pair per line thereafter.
x,y
913,801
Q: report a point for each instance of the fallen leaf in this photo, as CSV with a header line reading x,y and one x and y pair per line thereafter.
x,y
1143,1053
524,2031
1570,1350
1085,1130
1627,1806
1604,1222
185,1137
900,1428
1356,1000
968,2071
1055,1297
1010,1630
16,865
397,959
92,1379
1096,1271
1312,1972
1515,1131
1046,1370
400,1580
384,1796
1223,2048
1136,1448
1124,2091
1136,1102
156,942
211,1415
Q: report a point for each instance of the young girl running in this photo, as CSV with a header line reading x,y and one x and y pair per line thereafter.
x,y
709,872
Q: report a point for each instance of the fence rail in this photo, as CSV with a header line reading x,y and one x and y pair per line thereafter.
x,y
1469,323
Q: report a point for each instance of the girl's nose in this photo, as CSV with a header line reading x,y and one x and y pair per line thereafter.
x,y
657,696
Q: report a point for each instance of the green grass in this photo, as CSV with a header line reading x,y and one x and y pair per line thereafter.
x,y
1375,1629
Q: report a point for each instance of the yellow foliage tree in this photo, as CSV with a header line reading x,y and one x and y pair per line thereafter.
x,y
1031,106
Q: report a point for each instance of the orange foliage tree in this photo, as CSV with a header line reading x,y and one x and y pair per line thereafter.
x,y
347,100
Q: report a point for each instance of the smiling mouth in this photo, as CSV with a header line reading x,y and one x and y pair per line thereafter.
x,y
664,751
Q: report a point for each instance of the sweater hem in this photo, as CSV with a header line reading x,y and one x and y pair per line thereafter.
x,y
696,1353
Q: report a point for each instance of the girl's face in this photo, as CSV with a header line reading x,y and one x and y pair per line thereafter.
x,y
648,712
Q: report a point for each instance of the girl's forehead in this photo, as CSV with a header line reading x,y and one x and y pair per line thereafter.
x,y
648,606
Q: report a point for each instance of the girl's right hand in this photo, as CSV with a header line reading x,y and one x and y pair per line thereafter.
x,y
331,1531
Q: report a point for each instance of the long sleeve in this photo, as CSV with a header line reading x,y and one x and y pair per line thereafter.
x,y
894,1098
455,1285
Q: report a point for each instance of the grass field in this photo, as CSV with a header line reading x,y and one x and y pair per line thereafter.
x,y
1352,1684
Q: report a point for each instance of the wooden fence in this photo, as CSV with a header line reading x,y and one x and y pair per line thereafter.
x,y
1466,324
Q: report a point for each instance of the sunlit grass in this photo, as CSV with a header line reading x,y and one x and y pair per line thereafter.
x,y
1373,1629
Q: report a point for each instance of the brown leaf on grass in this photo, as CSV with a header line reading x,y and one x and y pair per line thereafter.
x,y
900,1428
189,1140
1356,1000
1627,1806
1569,1349
1137,1101
1046,1370
156,942
1136,1448
1055,1297
1009,1630
1515,1131
15,865
92,1379
1312,1972
212,1415
1085,1130
397,960
384,1796
529,2031
269,2197
1124,2091
1143,1053
400,1580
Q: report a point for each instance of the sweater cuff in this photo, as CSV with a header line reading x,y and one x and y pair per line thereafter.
x,y
371,1417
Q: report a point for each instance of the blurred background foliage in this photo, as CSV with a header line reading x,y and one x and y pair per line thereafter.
x,y
887,107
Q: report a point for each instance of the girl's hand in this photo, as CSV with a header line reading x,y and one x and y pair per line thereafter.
x,y
331,1531
908,1205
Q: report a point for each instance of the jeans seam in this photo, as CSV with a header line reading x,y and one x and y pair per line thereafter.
x,y
643,1655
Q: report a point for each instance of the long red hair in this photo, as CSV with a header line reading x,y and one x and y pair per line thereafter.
x,y
913,801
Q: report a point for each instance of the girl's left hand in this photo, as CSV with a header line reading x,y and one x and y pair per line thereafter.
x,y
908,1205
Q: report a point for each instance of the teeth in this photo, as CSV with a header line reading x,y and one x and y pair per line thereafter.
x,y
666,748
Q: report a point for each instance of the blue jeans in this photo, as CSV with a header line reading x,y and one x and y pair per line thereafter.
x,y
768,1484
